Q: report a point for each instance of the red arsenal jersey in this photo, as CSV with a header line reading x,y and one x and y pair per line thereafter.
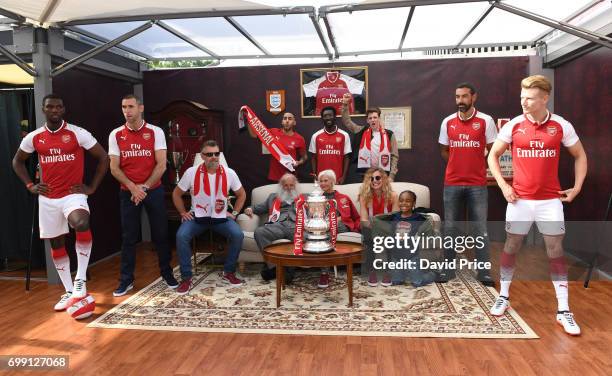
x,y
136,150
292,144
329,90
466,141
330,150
60,154
535,154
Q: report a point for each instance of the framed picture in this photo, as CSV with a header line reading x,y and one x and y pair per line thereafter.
x,y
322,87
399,121
505,160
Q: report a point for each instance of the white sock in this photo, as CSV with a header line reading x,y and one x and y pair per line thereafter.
x,y
504,288
83,251
62,265
562,293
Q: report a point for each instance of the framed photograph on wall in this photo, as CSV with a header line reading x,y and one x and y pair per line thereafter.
x,y
322,87
399,121
505,160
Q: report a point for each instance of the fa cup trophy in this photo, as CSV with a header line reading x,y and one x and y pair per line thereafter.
x,y
317,223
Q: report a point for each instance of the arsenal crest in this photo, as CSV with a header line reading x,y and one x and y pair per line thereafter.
x,y
66,138
403,227
476,126
551,130
146,136
275,101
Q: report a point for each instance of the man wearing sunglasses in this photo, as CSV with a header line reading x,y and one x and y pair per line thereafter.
x,y
209,184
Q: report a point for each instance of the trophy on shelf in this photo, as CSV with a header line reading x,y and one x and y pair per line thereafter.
x,y
319,219
176,158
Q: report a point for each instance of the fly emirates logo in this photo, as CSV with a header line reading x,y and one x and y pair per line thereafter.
x,y
536,150
329,150
464,142
55,155
136,151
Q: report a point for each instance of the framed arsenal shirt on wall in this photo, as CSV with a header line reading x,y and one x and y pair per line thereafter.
x,y
322,87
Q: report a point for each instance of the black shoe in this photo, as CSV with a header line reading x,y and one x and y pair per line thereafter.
x,y
445,276
268,274
170,281
486,280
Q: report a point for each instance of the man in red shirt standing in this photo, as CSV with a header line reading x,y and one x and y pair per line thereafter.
x,y
138,160
535,193
293,142
330,147
464,135
62,196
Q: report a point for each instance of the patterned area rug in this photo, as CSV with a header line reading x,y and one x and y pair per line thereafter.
x,y
457,309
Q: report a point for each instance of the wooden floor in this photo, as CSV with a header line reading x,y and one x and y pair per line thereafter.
x,y
30,326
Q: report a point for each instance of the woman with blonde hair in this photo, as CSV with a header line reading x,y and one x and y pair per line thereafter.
x,y
376,197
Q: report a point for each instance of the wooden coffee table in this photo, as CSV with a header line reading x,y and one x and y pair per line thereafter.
x,y
282,255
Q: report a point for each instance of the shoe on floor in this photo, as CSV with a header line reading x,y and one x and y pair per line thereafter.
x,y
170,281
323,281
63,302
123,288
230,279
268,274
566,320
184,287
80,289
386,281
372,279
426,279
485,279
500,306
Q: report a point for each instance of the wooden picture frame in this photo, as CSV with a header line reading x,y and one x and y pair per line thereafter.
x,y
322,87
399,121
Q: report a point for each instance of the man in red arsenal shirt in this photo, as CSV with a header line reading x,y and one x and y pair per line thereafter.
x,y
330,147
464,135
293,142
62,196
138,160
329,89
535,193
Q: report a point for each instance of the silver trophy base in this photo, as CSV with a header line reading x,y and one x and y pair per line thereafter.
x,y
321,246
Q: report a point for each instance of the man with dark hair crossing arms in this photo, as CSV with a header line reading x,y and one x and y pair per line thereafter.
x,y
138,160
62,196
464,135
330,147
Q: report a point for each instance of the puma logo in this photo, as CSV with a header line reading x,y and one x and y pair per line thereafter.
x,y
42,141
364,159
452,126
522,130
205,207
83,254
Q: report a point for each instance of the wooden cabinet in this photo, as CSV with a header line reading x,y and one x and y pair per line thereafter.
x,y
187,125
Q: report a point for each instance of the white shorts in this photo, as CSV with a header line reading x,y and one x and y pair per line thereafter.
x,y
53,213
547,214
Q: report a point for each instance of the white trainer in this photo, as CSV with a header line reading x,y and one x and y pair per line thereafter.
x,y
566,320
63,302
80,289
500,306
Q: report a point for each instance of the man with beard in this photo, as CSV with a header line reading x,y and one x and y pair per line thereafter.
x,y
330,147
463,138
377,146
209,184
280,208
293,142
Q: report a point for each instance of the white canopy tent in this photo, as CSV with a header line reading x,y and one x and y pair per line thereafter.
x,y
231,31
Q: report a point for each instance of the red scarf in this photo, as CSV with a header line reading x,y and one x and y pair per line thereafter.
x,y
365,153
274,213
202,197
277,149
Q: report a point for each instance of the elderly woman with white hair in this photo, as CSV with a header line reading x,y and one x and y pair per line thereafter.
x,y
349,218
